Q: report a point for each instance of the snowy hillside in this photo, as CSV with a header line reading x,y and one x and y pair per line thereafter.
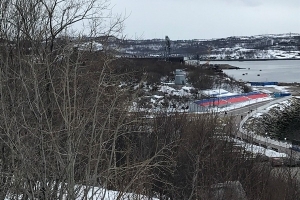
x,y
270,46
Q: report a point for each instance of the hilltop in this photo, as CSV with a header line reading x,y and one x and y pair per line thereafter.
x,y
270,46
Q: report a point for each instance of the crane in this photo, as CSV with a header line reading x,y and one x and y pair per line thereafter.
x,y
167,48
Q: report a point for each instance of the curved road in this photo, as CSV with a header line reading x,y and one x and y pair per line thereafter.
x,y
242,114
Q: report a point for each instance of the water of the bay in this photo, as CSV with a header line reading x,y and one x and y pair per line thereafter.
x,y
272,70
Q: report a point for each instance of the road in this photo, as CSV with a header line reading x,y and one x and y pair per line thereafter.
x,y
246,111
242,114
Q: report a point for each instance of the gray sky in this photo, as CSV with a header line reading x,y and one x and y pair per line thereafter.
x,y
205,19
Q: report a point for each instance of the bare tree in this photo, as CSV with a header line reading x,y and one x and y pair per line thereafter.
x,y
63,116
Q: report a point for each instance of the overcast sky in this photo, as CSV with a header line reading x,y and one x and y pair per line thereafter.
x,y
206,19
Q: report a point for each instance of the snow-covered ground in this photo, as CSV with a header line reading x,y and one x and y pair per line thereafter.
x,y
155,102
170,90
101,193
259,149
96,193
218,93
240,52
184,91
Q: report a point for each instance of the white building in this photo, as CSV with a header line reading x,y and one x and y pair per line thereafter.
x,y
180,77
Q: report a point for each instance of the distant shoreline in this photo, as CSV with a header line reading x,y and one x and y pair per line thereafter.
x,y
260,59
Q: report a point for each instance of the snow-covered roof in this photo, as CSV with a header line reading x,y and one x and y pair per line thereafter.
x,y
217,92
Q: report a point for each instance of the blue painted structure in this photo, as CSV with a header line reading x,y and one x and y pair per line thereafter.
x,y
281,94
263,83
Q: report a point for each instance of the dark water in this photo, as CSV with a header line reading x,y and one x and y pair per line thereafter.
x,y
276,70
